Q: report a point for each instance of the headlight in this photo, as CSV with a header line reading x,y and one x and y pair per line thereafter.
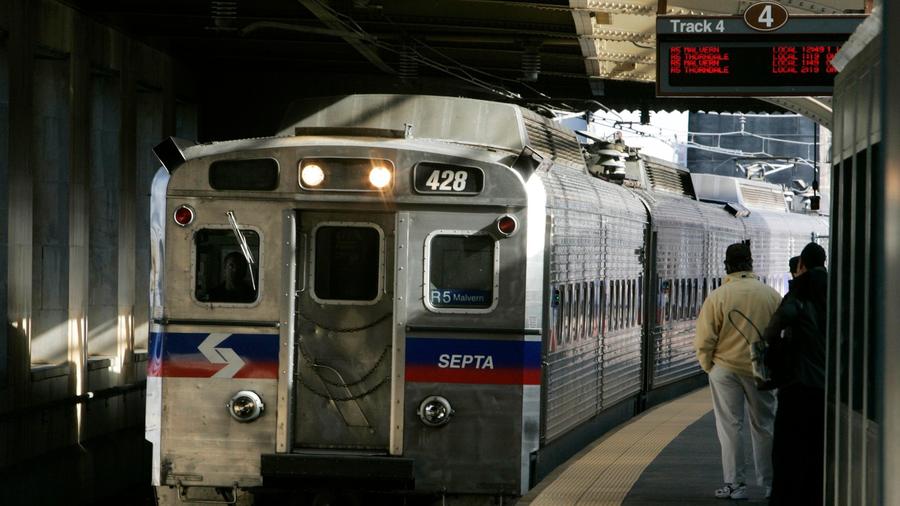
x,y
245,406
435,411
312,175
380,177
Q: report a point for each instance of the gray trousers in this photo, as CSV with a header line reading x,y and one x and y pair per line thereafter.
x,y
729,393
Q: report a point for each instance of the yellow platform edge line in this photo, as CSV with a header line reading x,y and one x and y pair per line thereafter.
x,y
605,474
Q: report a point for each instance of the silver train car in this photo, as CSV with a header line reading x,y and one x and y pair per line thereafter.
x,y
423,295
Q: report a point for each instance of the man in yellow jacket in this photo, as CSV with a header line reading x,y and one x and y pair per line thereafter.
x,y
733,316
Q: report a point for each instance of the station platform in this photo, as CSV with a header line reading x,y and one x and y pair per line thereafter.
x,y
668,455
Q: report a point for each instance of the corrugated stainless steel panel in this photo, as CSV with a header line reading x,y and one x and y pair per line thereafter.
x,y
621,365
573,388
688,236
557,143
669,179
759,196
775,237
596,232
691,241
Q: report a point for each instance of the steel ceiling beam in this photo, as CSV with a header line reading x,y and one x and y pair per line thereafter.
x,y
326,16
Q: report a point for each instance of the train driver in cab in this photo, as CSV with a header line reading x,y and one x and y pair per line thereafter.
x,y
233,286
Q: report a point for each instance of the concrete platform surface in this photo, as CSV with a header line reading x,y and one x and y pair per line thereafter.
x,y
668,455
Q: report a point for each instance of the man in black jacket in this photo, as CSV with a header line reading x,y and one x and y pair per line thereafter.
x,y
796,335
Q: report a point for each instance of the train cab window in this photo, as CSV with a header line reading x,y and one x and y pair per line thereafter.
x,y
461,273
347,263
222,273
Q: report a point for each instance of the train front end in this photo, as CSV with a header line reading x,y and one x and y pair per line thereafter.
x,y
347,309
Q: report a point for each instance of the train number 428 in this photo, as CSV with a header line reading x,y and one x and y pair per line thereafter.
x,y
447,180
443,178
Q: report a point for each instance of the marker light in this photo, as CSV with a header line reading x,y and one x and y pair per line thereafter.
x,y
435,411
506,225
380,177
312,175
183,215
245,406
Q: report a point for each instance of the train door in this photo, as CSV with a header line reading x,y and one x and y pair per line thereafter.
x,y
343,330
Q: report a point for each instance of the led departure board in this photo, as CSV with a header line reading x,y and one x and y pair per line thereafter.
x,y
722,56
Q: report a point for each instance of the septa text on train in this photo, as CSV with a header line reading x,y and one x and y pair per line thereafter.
x,y
459,361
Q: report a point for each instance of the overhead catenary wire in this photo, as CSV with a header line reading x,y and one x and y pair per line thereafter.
x,y
458,69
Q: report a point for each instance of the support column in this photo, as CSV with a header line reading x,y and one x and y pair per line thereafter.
x,y
127,213
4,206
79,209
21,196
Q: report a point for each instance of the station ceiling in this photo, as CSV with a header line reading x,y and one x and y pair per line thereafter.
x,y
548,51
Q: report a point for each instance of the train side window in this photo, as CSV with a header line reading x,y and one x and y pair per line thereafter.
x,y
640,300
461,273
347,263
602,303
591,313
573,313
676,300
698,297
694,297
584,324
588,309
632,302
560,312
664,300
617,301
673,301
612,306
222,273
571,317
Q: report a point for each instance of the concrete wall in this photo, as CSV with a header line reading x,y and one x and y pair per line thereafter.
x,y
80,107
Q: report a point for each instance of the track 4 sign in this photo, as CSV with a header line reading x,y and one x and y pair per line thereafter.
x,y
766,16
762,53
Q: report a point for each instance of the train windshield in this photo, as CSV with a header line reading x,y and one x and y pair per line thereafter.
x,y
222,272
461,271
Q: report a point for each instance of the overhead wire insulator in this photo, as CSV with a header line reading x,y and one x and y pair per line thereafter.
x,y
408,66
531,62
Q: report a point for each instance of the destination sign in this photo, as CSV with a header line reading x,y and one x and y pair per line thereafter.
x,y
719,56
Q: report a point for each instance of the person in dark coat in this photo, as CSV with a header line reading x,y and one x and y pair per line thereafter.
x,y
796,338
792,265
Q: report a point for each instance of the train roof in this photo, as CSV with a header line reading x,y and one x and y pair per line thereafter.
x,y
748,193
477,123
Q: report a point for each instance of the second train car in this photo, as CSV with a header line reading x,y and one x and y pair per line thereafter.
x,y
423,295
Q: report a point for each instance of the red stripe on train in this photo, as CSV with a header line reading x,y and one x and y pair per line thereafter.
x,y
431,374
191,369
